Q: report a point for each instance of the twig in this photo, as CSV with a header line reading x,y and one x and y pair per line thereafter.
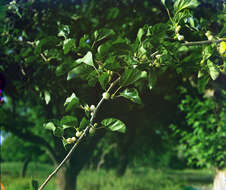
x,y
43,57
78,141
203,42
155,53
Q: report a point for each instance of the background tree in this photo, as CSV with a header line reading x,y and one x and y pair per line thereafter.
x,y
51,50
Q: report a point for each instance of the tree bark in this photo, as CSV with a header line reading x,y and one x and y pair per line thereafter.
x,y
123,162
24,169
219,180
66,178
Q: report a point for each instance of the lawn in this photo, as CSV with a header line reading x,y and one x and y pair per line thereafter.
x,y
142,178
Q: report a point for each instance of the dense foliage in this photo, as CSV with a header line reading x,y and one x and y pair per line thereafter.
x,y
63,59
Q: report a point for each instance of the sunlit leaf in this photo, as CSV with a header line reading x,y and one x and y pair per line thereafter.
x,y
179,5
140,34
71,101
68,45
213,70
114,125
50,126
87,59
131,94
47,97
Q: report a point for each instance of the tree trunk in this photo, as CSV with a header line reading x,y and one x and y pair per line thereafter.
x,y
219,180
66,179
123,162
67,176
24,170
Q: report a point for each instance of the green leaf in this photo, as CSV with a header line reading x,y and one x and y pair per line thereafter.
x,y
213,70
64,31
68,45
140,34
103,34
152,79
50,126
58,132
130,76
131,94
111,64
64,142
103,79
71,101
114,125
163,2
202,82
47,97
84,122
179,5
103,49
112,13
224,65
66,66
69,120
87,59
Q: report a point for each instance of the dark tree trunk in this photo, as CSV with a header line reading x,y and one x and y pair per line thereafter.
x,y
67,176
66,179
123,162
24,169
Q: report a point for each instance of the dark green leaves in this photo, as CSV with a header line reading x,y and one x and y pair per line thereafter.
x,y
57,130
68,45
213,70
103,79
71,102
66,66
130,76
131,94
103,34
114,125
69,121
84,122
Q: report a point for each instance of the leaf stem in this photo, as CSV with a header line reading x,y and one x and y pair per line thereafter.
x,y
79,139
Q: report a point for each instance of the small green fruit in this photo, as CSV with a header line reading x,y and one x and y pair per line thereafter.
x,y
69,140
178,29
92,130
78,133
208,33
106,95
92,108
73,139
180,37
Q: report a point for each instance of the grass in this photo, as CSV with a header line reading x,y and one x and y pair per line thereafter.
x,y
142,178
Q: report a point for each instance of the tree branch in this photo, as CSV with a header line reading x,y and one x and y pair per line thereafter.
x,y
203,42
27,136
79,139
